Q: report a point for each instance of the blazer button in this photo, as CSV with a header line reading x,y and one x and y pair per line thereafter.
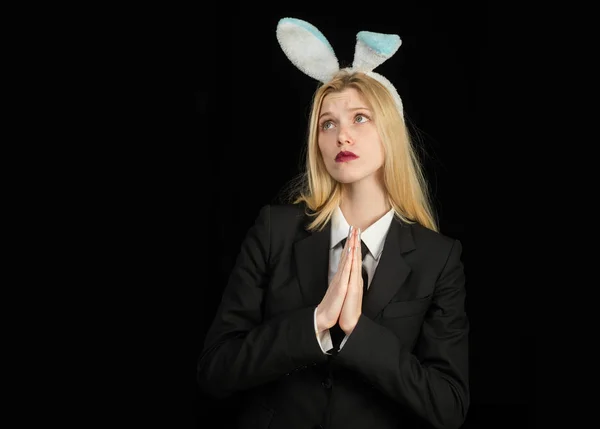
x,y
326,383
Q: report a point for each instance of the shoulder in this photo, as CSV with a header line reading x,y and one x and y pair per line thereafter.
x,y
431,236
284,224
431,250
287,211
283,215
433,241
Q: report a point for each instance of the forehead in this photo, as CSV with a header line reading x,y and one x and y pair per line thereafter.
x,y
347,98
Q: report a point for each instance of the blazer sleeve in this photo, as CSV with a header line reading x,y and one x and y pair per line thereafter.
x,y
241,349
432,378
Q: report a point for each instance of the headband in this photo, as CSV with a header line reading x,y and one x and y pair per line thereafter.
x,y
308,49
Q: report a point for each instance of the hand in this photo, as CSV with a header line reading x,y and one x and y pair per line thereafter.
x,y
352,307
328,310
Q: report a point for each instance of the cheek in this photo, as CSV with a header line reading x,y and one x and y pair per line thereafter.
x,y
378,151
381,154
325,146
375,157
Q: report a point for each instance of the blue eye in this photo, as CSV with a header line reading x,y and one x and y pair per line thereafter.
x,y
325,124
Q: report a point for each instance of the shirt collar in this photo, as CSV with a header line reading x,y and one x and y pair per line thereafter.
x,y
373,236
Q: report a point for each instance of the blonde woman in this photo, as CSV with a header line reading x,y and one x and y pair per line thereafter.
x,y
346,307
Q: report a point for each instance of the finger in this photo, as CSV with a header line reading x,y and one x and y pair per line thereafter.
x,y
359,244
355,275
345,250
348,258
351,258
353,298
358,261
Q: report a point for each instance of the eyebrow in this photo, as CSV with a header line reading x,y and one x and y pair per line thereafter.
x,y
351,109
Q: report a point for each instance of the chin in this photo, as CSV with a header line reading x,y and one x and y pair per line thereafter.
x,y
346,178
349,176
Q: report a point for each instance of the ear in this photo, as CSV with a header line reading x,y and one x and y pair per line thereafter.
x,y
372,49
307,48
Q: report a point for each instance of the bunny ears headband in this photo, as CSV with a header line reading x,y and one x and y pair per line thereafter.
x,y
308,49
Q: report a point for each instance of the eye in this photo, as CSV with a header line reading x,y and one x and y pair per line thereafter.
x,y
326,125
361,118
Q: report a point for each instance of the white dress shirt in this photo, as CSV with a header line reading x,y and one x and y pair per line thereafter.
x,y
373,237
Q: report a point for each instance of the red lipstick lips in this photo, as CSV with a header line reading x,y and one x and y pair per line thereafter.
x,y
345,156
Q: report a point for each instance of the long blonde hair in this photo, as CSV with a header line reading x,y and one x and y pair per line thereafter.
x,y
404,182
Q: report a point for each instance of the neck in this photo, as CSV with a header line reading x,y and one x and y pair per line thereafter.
x,y
364,203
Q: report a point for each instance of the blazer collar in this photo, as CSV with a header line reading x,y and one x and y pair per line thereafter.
x,y
392,270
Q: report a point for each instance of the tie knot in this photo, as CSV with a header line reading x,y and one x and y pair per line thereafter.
x,y
363,247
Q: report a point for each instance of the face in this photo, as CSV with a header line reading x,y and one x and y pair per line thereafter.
x,y
348,139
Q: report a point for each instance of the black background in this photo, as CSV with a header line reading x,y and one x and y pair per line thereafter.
x,y
235,112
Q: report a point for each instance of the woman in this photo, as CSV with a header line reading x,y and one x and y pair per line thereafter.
x,y
295,334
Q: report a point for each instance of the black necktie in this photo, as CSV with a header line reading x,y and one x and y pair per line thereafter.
x,y
337,334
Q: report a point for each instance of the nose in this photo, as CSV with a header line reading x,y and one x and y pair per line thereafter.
x,y
344,137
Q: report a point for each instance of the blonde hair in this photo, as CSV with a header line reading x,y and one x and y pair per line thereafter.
x,y
404,182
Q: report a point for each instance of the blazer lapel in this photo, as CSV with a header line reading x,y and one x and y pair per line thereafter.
x,y
312,265
392,269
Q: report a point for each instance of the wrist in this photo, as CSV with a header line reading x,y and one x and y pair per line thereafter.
x,y
321,325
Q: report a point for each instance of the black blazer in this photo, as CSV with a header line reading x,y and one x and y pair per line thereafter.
x,y
405,365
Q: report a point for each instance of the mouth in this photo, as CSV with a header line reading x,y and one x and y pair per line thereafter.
x,y
345,156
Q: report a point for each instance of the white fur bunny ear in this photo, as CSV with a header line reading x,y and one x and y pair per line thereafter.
x,y
307,48
372,49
